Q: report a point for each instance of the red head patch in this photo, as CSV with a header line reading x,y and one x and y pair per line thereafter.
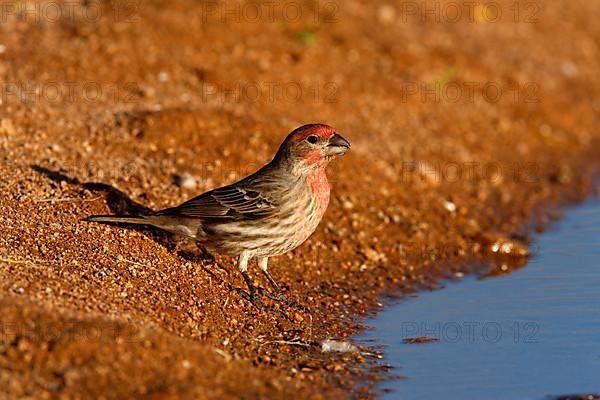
x,y
320,130
310,146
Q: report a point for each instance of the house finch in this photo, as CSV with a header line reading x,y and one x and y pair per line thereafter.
x,y
265,214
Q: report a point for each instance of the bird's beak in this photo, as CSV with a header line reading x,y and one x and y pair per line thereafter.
x,y
338,145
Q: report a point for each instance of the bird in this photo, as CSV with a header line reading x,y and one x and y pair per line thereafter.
x,y
266,214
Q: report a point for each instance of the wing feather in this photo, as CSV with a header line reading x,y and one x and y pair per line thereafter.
x,y
227,203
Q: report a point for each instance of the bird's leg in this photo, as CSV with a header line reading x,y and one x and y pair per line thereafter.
x,y
263,265
249,283
204,254
279,296
243,267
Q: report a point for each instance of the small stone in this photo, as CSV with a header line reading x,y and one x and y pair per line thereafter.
x,y
502,245
6,127
342,347
186,181
371,254
420,339
428,173
450,206
162,76
569,69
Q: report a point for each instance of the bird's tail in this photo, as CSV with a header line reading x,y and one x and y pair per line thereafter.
x,y
121,219
186,227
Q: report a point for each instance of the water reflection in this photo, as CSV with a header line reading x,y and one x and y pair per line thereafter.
x,y
529,334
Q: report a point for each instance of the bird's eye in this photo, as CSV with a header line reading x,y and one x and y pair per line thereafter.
x,y
312,139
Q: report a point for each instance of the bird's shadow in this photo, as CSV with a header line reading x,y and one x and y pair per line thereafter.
x,y
120,203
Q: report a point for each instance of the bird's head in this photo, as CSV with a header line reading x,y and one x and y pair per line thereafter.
x,y
312,146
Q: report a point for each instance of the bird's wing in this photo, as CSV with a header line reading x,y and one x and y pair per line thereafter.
x,y
230,202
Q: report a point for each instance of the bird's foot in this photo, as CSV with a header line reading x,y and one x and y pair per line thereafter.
x,y
280,297
255,300
205,254
252,297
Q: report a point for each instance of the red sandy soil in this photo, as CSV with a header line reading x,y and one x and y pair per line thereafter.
x,y
102,115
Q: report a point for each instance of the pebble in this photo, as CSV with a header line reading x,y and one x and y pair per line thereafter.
x,y
502,245
347,205
6,127
450,206
371,254
341,347
162,76
186,181
569,69
429,173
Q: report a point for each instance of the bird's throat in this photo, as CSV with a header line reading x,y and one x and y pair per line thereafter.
x,y
319,186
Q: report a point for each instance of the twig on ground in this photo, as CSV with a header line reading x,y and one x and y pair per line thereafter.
x,y
67,199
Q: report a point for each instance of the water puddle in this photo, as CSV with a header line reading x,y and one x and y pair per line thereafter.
x,y
531,334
